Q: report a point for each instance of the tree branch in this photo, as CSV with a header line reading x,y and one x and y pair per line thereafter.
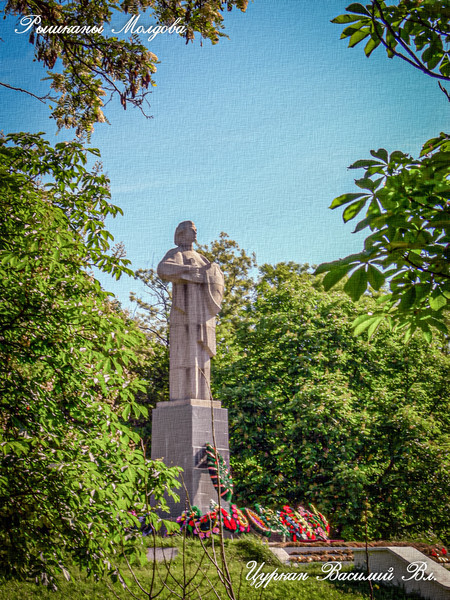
x,y
446,92
434,273
17,89
414,60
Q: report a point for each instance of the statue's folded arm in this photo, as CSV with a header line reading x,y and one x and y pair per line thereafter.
x,y
172,268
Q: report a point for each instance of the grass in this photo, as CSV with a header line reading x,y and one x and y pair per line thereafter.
x,y
239,553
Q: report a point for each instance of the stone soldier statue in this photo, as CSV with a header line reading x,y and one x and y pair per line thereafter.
x,y
196,298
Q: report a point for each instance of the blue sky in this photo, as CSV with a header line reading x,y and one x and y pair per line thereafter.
x,y
252,136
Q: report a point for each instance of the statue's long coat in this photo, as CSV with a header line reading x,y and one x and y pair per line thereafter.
x,y
192,321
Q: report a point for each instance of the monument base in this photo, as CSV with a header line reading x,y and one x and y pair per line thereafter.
x,y
180,430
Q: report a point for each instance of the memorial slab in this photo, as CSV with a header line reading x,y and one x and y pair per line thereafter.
x,y
412,570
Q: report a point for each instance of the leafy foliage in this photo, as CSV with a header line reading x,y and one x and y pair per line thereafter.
x,y
417,31
85,65
407,199
71,469
237,267
407,208
74,475
319,416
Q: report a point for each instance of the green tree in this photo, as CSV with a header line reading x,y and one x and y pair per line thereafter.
x,y
71,470
237,267
319,416
406,199
73,474
416,31
85,65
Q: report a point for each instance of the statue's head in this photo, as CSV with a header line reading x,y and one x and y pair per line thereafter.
x,y
185,233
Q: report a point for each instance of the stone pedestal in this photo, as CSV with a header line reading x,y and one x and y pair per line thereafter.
x,y
180,430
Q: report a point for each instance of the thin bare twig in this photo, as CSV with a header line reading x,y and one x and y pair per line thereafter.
x,y
113,591
134,576
367,547
443,89
205,550
226,572
17,89
154,566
